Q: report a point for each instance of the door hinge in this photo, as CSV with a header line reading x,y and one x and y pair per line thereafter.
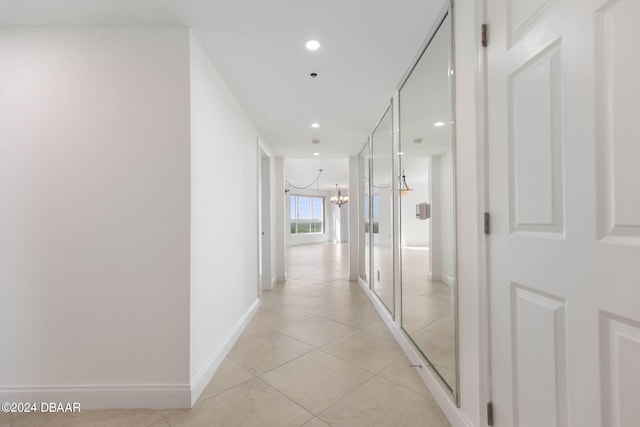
x,y
485,36
487,222
490,413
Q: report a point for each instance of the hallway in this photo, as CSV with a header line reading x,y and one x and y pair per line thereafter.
x,y
315,354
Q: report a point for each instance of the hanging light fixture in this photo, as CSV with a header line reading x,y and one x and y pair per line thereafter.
x,y
404,188
339,199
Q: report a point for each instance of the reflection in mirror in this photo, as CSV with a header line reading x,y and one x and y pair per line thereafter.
x,y
363,209
428,271
382,210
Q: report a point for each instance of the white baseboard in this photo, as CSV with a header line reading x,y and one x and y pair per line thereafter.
x,y
437,277
442,396
151,396
200,380
157,396
353,277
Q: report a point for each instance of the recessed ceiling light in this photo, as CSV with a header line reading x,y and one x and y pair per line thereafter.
x,y
438,124
313,45
316,154
401,153
316,125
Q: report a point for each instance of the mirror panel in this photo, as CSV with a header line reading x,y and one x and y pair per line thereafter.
x,y
382,210
428,249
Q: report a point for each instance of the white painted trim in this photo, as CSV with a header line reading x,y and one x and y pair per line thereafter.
x,y
442,396
200,380
156,396
264,148
482,179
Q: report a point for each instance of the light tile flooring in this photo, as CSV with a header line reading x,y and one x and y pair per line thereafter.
x,y
315,354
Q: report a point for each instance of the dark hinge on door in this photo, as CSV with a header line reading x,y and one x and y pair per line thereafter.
x,y
485,37
490,413
487,221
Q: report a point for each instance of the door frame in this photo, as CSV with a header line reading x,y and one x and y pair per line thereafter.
x,y
484,295
471,203
484,305
264,157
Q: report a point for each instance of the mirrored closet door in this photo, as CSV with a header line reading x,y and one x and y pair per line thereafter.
x,y
382,209
427,207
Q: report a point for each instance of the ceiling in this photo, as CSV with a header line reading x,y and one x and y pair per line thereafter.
x,y
259,49
302,172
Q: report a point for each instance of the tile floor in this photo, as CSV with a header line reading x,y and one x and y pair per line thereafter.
x,y
315,354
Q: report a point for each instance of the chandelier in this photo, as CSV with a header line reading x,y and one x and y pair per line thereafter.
x,y
339,199
404,188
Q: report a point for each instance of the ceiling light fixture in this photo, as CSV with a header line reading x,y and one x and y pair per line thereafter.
x,y
312,45
438,124
315,125
404,188
316,154
339,199
417,141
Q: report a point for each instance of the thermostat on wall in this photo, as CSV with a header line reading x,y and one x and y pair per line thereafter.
x,y
423,211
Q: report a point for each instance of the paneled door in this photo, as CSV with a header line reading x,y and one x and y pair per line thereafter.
x,y
564,198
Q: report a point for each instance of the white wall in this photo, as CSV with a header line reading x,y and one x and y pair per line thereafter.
x,y
339,218
415,232
94,200
282,228
275,198
354,211
224,229
343,212
442,253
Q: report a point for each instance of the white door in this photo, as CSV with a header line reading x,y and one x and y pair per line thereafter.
x,y
564,198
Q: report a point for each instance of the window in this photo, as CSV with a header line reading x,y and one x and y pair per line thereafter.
x,y
307,214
